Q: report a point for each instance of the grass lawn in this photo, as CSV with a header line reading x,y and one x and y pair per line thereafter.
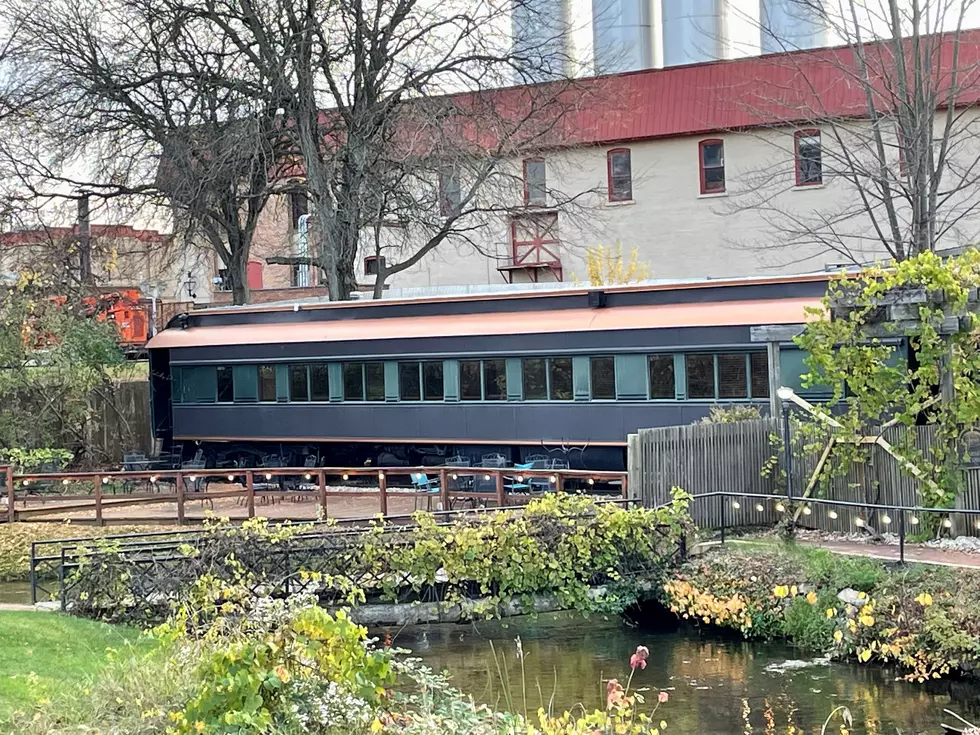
x,y
40,652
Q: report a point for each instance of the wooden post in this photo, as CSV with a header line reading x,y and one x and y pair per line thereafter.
x,y
383,493
250,493
11,513
99,521
775,379
626,486
321,480
501,491
180,498
444,488
559,482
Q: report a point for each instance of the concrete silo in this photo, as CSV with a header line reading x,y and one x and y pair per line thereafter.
x,y
541,36
622,32
693,31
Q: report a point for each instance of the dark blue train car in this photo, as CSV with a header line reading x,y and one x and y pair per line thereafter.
x,y
566,373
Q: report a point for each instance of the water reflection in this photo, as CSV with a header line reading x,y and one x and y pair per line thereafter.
x,y
717,686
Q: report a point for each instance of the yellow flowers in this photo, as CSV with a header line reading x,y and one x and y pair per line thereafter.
x,y
925,599
866,620
781,591
831,612
838,636
811,597
864,655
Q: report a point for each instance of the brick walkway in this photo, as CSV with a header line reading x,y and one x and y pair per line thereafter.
x,y
920,554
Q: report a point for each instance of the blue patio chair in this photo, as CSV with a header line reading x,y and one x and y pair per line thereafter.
x,y
421,481
521,483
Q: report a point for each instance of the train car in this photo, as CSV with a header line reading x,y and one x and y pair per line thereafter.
x,y
565,373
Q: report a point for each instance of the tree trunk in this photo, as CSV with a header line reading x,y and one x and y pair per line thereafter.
x,y
238,275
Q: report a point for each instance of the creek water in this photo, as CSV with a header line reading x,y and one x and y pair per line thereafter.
x,y
18,593
717,685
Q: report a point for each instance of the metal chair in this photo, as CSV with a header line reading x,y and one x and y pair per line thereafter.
x,y
193,485
518,482
421,481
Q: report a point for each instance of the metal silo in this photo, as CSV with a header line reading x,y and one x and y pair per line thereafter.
x,y
541,39
693,31
622,33
789,24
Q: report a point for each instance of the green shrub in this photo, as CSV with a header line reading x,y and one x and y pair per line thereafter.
x,y
806,623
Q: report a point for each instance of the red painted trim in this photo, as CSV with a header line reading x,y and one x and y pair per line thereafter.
x,y
609,178
701,146
806,133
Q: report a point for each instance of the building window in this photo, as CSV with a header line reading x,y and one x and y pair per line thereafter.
x,y
547,379
535,181
534,238
733,377
809,163
700,376
535,379
759,374
319,382
661,376
353,381
409,381
619,171
603,371
712,162
373,264
364,381
299,385
483,380
226,385
267,383
298,206
433,386
450,194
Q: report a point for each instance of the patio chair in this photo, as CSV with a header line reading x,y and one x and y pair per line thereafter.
x,y
197,484
421,481
518,482
493,460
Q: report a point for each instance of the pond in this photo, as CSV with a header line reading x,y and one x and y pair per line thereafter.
x,y
717,686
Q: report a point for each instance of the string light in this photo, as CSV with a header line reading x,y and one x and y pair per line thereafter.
x,y
455,477
886,519
591,481
153,478
308,476
193,478
26,483
418,476
231,478
268,476
759,507
735,505
105,480
381,475
780,507
858,522
832,515
948,523
64,482
977,524
520,478
346,476
554,478
914,520
806,510
486,477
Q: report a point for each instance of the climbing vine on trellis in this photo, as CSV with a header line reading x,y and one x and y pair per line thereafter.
x,y
855,348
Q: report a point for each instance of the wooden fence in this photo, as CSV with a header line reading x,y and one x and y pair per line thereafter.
x,y
186,496
706,458
119,421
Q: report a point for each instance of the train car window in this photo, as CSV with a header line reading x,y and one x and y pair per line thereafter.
x,y
733,376
560,378
353,381
759,373
661,376
374,381
495,380
409,382
267,383
433,387
700,376
535,379
469,381
319,382
226,385
603,378
299,386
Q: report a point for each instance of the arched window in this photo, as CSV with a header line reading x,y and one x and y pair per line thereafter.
x,y
535,181
711,160
619,172
809,161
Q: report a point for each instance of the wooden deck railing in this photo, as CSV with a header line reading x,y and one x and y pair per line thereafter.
x,y
35,495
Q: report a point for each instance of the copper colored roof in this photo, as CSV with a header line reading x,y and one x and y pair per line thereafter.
x,y
725,313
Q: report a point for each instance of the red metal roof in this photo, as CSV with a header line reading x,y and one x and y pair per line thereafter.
x,y
45,235
787,88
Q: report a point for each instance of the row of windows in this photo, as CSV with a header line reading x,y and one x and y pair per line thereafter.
x,y
711,165
700,376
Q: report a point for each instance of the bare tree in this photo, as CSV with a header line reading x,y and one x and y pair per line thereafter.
x,y
144,100
386,149
887,122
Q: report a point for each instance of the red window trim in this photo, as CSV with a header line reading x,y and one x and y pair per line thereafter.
x,y
806,133
372,259
533,159
540,251
609,181
701,146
